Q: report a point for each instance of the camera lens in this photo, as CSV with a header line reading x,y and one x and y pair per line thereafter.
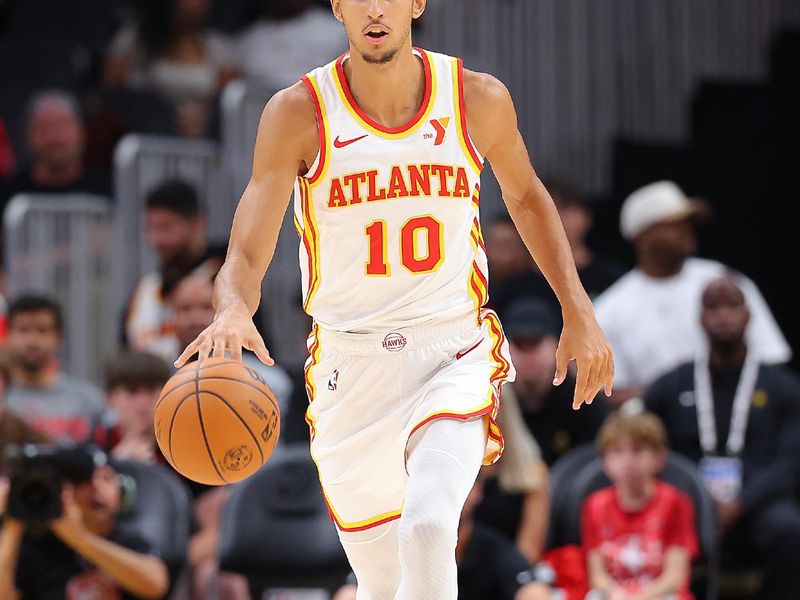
x,y
37,496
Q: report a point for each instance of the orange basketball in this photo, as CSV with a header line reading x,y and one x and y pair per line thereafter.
x,y
218,422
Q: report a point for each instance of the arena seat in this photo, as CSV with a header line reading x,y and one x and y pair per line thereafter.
x,y
561,475
161,512
276,529
679,472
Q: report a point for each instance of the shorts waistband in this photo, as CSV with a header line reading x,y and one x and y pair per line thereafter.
x,y
396,340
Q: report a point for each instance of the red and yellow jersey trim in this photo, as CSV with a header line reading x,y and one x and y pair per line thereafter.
x,y
477,285
343,525
461,117
323,128
310,238
370,124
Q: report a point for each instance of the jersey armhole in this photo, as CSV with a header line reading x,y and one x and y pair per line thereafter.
x,y
461,112
316,169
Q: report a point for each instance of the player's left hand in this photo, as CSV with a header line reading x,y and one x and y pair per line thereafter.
x,y
583,341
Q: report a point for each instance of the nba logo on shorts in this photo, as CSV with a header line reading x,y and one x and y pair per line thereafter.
x,y
333,380
394,342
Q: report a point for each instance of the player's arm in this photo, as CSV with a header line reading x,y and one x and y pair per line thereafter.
x,y
286,145
492,122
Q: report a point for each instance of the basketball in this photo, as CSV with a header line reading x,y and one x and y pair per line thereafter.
x,y
218,422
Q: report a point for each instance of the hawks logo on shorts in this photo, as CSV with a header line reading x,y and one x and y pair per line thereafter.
x,y
388,217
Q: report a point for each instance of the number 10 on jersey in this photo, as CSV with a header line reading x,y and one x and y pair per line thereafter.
x,y
421,246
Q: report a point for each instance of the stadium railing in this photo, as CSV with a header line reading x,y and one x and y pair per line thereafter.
x,y
142,162
59,245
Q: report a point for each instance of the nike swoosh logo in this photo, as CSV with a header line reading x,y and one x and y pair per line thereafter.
x,y
463,353
341,144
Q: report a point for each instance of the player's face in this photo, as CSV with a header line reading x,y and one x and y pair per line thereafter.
x,y
55,135
33,339
724,316
99,500
378,29
135,407
192,308
632,464
171,235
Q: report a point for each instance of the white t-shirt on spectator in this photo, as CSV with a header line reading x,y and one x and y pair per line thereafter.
x,y
280,52
653,325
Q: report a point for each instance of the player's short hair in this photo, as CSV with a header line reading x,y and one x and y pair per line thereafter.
x,y
28,303
643,427
176,196
133,370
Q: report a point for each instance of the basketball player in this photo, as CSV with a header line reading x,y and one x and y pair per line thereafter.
x,y
384,148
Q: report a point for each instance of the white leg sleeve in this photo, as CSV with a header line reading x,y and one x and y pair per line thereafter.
x,y
373,557
444,460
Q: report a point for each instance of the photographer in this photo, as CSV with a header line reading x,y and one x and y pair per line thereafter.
x,y
80,553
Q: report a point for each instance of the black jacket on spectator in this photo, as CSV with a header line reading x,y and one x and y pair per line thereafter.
x,y
489,567
91,182
557,427
772,442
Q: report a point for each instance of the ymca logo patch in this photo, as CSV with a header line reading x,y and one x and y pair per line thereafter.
x,y
394,342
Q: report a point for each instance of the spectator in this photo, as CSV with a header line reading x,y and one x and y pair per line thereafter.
x,y
269,51
516,496
81,554
489,566
6,153
193,311
533,329
740,420
639,532
172,52
650,316
596,271
176,230
133,385
509,260
13,430
55,141
56,404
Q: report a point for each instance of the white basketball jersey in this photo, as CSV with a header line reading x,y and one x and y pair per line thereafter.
x,y
388,217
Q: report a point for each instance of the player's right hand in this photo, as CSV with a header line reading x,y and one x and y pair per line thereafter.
x,y
231,330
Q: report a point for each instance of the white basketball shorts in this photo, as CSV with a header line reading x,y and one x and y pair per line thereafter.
x,y
369,393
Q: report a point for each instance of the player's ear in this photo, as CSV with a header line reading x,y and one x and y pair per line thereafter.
x,y
337,9
419,8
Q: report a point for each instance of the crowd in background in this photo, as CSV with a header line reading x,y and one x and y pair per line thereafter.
x,y
700,361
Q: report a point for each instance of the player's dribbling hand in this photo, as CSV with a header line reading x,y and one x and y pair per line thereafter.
x,y
231,330
583,341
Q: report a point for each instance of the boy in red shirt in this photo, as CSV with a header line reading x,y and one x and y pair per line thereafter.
x,y
638,533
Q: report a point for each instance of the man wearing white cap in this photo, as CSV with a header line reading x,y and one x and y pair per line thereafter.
x,y
651,314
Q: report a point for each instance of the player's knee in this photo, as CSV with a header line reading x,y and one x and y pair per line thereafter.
x,y
425,532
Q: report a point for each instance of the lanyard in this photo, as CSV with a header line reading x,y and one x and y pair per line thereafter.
x,y
704,399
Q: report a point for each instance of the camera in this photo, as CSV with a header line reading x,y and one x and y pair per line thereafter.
x,y
38,473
